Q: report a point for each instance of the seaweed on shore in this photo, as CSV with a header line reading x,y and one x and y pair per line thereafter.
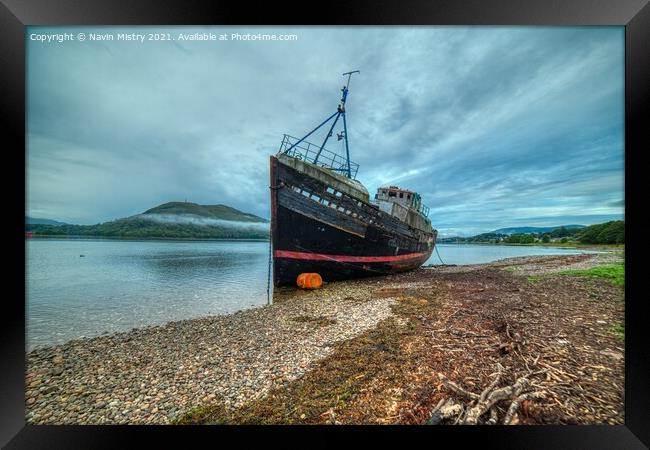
x,y
320,321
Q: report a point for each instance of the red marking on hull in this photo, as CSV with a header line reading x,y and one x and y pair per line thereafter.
x,y
344,258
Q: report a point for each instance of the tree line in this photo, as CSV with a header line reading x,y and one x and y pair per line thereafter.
x,y
612,232
139,228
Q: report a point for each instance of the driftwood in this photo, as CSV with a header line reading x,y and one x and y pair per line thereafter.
x,y
516,404
444,410
485,402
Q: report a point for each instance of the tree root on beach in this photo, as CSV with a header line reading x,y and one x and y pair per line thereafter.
x,y
479,404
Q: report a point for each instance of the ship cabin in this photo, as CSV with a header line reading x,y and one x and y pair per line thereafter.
x,y
405,205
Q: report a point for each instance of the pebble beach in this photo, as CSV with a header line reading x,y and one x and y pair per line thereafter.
x,y
150,375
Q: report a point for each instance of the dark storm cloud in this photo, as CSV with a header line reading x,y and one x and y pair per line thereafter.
x,y
495,126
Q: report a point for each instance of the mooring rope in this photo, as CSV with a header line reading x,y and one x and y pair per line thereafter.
x,y
435,247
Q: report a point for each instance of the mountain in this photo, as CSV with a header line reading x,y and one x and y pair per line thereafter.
x,y
524,230
221,212
35,220
175,220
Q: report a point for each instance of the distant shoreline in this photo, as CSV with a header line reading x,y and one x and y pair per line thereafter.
x,y
576,245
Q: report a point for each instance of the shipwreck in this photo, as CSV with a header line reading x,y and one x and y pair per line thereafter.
x,y
323,220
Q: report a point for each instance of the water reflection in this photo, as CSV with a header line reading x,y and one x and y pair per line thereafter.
x,y
124,284
119,285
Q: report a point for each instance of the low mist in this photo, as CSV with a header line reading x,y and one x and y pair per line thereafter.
x,y
189,219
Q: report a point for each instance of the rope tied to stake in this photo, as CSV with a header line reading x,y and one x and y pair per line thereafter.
x,y
435,247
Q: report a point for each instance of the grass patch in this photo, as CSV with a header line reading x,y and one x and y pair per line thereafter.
x,y
615,273
617,330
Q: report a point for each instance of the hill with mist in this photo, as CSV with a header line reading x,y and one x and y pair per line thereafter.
x,y
173,220
219,212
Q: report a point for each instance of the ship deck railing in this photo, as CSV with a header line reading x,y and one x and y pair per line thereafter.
x,y
306,151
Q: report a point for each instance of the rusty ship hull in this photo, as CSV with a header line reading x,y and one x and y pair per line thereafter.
x,y
322,222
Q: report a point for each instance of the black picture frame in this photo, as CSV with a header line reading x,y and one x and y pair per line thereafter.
x,y
634,15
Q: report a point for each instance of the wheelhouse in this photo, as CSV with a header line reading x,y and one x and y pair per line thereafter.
x,y
393,194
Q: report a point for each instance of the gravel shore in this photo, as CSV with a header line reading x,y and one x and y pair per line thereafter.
x,y
149,375
152,375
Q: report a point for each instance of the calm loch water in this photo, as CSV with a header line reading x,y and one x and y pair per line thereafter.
x,y
119,285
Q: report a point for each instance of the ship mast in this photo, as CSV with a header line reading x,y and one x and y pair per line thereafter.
x,y
340,112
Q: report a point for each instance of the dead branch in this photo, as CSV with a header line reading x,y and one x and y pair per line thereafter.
x,y
486,401
457,389
492,385
493,397
494,417
445,409
516,404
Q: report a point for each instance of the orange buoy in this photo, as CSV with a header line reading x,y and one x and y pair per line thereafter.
x,y
309,281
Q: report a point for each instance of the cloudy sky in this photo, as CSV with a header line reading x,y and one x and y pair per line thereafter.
x,y
494,126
